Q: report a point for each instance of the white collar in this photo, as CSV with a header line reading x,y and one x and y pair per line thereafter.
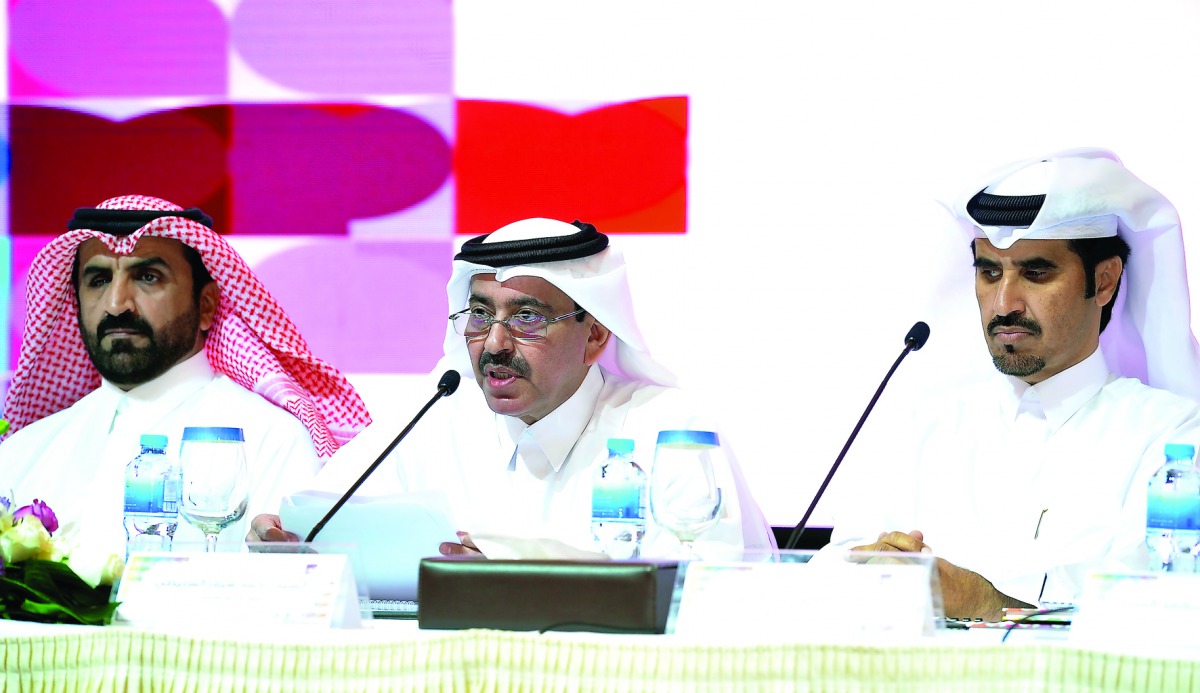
x,y
168,390
1062,394
557,432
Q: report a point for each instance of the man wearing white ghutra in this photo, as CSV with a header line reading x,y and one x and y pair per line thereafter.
x,y
535,308
1024,483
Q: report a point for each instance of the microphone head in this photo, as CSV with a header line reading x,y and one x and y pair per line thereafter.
x,y
451,378
918,335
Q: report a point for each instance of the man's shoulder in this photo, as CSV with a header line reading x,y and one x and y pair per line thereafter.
x,y
224,388
1131,393
233,399
49,426
619,389
661,407
273,427
40,430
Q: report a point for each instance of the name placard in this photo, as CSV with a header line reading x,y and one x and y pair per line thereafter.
x,y
799,601
228,589
1150,610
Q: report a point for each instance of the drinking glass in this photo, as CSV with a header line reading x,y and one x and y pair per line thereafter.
x,y
684,496
216,481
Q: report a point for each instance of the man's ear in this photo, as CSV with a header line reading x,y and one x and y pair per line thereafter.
x,y
1108,278
598,336
210,298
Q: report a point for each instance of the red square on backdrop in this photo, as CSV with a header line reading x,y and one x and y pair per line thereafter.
x,y
622,167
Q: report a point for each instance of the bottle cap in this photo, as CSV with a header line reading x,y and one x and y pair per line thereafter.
x,y
1180,451
688,439
621,446
149,440
212,433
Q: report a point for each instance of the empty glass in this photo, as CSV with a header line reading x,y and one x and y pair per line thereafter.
x,y
684,496
216,480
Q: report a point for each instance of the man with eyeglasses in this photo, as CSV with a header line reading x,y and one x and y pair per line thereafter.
x,y
534,309
1025,482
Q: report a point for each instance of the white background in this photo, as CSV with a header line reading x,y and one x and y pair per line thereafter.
x,y
821,134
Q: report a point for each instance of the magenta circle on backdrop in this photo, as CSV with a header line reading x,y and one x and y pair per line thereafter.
x,y
362,47
117,48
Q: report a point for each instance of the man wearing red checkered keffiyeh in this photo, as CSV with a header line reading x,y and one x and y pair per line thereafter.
x,y
140,319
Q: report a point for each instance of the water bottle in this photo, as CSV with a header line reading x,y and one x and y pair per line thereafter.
x,y
151,497
1173,512
619,502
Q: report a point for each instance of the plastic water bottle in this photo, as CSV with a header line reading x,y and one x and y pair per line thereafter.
x,y
151,497
619,502
1173,512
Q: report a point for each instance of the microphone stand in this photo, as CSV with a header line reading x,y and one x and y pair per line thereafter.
x,y
915,340
446,387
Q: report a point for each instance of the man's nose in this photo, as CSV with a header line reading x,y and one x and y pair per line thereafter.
x,y
120,298
499,339
1009,297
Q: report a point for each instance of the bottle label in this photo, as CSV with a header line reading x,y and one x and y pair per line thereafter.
x,y
620,500
171,491
1173,511
143,487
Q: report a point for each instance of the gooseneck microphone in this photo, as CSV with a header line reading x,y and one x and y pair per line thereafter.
x,y
914,340
446,387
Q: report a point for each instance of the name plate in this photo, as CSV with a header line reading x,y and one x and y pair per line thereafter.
x,y
828,599
232,589
1154,611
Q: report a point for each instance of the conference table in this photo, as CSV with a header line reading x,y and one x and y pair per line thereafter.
x,y
387,655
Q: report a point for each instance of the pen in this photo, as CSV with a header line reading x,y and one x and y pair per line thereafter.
x,y
1037,531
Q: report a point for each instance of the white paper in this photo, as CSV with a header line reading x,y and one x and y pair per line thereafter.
x,y
1154,612
235,589
504,547
825,601
393,534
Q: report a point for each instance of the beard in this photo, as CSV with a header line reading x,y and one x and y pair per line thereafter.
x,y
122,363
1008,361
1020,365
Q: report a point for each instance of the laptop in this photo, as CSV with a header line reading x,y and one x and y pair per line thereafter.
x,y
392,534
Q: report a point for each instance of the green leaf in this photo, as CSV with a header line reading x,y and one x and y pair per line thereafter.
x,y
50,592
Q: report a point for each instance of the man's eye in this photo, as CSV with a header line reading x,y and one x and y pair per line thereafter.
x,y
1036,274
527,318
148,277
989,273
97,280
479,314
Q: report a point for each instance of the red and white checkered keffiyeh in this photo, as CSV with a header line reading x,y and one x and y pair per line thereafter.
x,y
252,340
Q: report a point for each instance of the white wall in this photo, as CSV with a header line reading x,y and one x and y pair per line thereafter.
x,y
820,135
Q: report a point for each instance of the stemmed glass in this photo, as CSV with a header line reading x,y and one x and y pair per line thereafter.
x,y
216,481
684,496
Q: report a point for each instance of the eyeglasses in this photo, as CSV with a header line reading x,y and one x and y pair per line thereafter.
x,y
526,325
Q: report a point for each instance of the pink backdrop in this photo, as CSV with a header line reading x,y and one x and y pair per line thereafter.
x,y
325,139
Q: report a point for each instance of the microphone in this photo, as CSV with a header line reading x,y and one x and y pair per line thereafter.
x,y
446,387
914,340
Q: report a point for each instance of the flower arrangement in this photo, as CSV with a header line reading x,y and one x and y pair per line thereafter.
x,y
42,578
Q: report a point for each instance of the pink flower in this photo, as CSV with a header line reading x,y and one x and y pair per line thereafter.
x,y
39,510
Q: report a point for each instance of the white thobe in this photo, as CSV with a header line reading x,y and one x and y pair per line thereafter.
x,y
505,478
1023,484
75,459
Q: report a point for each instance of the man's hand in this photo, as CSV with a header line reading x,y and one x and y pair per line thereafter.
x,y
465,548
269,528
913,542
965,594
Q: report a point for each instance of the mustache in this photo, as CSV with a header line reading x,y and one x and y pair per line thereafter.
x,y
508,360
1014,320
124,321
